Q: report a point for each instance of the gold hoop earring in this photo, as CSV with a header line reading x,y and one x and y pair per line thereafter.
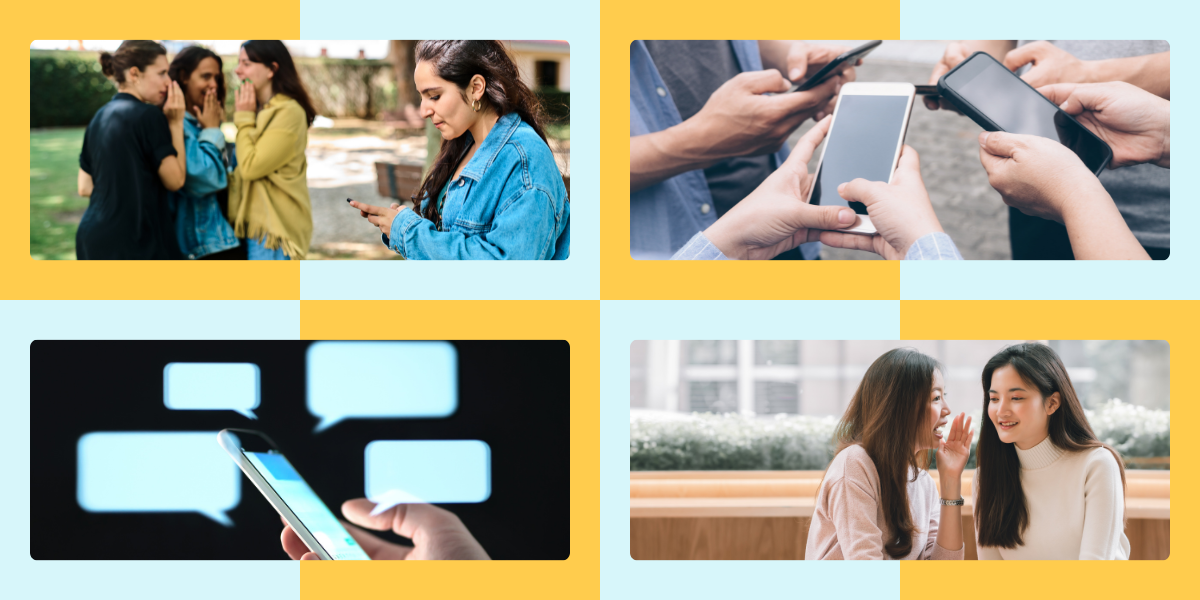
x,y
477,106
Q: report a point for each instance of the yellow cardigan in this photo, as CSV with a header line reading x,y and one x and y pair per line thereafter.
x,y
268,193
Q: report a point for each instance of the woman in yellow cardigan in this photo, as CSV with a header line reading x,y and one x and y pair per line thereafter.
x,y
268,199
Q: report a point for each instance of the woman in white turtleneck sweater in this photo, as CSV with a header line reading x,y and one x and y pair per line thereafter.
x,y
1046,488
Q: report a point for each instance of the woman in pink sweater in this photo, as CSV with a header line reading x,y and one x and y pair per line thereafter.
x,y
877,501
1046,488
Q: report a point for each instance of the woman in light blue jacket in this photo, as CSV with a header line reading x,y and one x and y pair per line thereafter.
x,y
494,191
200,224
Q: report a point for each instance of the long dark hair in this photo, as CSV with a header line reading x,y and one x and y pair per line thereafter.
x,y
186,62
1001,512
130,54
885,417
287,78
457,61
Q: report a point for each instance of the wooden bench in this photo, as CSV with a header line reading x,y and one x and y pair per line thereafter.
x,y
764,515
399,181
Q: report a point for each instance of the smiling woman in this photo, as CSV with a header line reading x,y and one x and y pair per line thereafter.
x,y
876,501
1046,487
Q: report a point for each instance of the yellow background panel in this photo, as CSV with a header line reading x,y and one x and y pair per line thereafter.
x,y
1092,320
576,322
28,279
622,22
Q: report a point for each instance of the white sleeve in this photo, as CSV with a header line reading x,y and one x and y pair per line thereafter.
x,y
1103,509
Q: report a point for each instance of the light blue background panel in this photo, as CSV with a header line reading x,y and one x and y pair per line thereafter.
x,y
25,322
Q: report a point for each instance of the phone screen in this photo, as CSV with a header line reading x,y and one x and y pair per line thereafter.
x,y
300,498
862,143
1001,96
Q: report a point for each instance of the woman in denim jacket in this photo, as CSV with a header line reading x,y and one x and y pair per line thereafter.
x,y
494,192
200,225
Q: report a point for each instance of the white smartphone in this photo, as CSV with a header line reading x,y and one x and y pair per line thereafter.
x,y
283,487
870,121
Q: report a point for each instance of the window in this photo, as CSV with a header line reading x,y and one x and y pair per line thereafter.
x,y
546,74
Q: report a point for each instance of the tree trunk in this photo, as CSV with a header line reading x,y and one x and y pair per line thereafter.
x,y
402,54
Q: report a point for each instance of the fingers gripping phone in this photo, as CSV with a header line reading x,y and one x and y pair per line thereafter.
x,y
283,487
847,59
870,121
998,100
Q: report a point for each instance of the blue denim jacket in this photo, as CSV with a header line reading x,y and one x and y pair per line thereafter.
x,y
510,203
664,216
200,226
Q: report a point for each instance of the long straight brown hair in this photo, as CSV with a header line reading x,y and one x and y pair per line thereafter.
x,y
274,54
885,417
457,61
1002,512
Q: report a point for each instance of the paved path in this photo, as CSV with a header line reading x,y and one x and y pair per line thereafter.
x,y
344,167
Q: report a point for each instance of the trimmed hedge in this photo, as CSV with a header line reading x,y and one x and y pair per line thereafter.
x,y
66,88
725,442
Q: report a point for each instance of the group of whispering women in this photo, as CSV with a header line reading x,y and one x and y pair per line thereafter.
x,y
163,183
1045,488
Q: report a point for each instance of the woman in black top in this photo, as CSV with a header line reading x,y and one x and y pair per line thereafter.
x,y
133,153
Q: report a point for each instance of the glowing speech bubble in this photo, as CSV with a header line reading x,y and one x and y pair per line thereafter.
x,y
381,380
211,386
419,471
157,472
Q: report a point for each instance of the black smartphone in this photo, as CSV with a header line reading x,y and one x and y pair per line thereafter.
x,y
998,100
835,66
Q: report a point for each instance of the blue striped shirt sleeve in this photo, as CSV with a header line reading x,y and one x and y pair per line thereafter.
x,y
699,248
933,246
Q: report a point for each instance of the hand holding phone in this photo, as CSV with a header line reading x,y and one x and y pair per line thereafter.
x,y
996,99
1037,176
312,522
438,534
775,218
900,211
377,215
865,139
1133,122
846,60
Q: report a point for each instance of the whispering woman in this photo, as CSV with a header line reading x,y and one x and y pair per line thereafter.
x,y
877,501
269,204
1045,488
494,191
133,154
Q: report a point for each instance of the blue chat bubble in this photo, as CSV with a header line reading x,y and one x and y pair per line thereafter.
x,y
381,380
157,472
418,471
211,386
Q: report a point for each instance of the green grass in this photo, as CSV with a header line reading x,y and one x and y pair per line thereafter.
x,y
54,204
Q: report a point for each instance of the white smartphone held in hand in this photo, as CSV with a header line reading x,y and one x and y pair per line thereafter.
x,y
865,139
283,487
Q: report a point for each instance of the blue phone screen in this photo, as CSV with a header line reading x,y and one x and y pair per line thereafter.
x,y
313,513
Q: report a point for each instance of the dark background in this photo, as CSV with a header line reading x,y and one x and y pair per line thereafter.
x,y
514,395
